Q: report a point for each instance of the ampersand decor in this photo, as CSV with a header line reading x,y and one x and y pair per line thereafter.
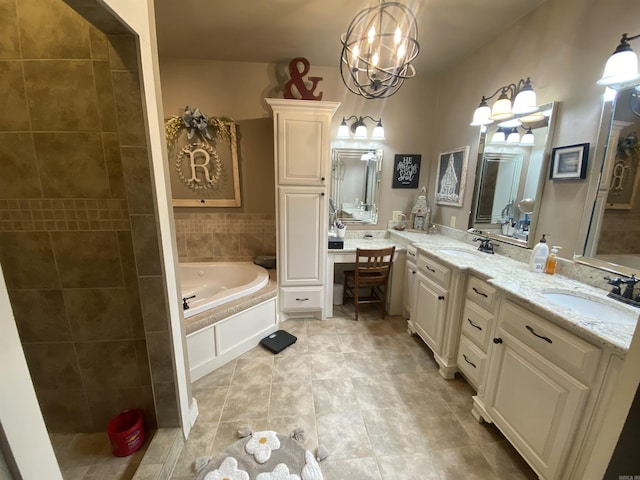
x,y
297,81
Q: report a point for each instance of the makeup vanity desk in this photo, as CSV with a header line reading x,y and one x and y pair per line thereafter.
x,y
348,255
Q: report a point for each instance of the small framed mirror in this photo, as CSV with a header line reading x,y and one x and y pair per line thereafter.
x,y
355,175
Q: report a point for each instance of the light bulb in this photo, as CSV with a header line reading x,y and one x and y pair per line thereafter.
x,y
397,35
356,51
402,49
361,131
375,58
514,137
371,34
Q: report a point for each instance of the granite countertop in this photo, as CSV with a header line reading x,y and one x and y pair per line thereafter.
x,y
513,279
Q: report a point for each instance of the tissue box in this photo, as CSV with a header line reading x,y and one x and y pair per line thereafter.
x,y
336,243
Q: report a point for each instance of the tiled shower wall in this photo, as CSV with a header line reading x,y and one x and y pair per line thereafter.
x,y
224,237
78,235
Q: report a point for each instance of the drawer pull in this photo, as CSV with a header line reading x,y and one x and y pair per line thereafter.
x,y
413,272
432,270
473,324
412,254
479,292
302,299
546,339
468,361
497,340
440,297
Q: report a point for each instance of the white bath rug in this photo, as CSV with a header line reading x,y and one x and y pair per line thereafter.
x,y
263,455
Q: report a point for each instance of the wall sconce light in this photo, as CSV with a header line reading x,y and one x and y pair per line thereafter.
x,y
378,48
359,128
512,137
499,136
514,99
621,70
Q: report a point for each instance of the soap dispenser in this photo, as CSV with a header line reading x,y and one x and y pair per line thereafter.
x,y
552,261
539,255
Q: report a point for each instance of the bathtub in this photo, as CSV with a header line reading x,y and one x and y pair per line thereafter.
x,y
215,284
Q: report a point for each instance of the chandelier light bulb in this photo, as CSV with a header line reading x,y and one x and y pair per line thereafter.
x,y
397,36
402,49
356,51
375,59
372,34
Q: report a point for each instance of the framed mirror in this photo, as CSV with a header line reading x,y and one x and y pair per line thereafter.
x,y
610,228
355,178
513,158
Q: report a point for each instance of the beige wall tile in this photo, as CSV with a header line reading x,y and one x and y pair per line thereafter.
x,y
53,365
199,245
40,315
111,147
137,179
18,161
123,52
98,313
27,260
65,411
50,29
131,125
154,308
9,38
62,95
106,365
104,91
72,165
99,47
225,245
145,244
107,404
14,114
160,357
99,251
166,405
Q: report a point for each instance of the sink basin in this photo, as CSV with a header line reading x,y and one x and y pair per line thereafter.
x,y
599,308
460,252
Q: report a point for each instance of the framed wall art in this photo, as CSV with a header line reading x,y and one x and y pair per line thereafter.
x,y
570,162
406,170
203,156
451,177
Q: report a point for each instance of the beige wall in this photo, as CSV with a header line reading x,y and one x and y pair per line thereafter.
x,y
238,90
562,46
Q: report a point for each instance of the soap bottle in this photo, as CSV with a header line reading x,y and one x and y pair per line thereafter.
x,y
539,256
552,261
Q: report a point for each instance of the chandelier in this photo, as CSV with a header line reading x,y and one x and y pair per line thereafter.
x,y
378,48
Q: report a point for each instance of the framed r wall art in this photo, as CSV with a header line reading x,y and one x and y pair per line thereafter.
x,y
406,171
203,158
451,177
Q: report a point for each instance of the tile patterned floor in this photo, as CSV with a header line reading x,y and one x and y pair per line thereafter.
x,y
367,391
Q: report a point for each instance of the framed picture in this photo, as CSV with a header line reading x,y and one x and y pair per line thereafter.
x,y
451,177
204,173
406,170
570,162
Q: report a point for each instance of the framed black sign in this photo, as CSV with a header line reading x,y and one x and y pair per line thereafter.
x,y
406,170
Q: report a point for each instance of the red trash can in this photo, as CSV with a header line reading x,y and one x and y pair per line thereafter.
x,y
126,432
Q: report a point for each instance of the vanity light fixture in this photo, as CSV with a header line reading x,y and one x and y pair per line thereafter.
x,y
515,99
499,136
359,128
378,48
528,139
621,69
513,137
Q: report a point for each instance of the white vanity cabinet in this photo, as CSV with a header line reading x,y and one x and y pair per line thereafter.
x,y
436,310
539,381
302,137
410,276
476,328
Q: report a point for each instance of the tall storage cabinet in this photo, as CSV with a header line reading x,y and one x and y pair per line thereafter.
x,y
302,138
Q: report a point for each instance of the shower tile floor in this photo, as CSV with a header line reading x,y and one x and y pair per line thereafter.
x,y
367,391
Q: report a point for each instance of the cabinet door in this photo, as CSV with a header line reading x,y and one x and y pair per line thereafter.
x,y
534,403
409,291
303,236
302,147
429,311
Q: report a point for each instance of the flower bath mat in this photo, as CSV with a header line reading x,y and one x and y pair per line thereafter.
x,y
263,455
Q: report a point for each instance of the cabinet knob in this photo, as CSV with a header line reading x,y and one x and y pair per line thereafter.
x,y
322,179
322,194
440,297
497,340
413,272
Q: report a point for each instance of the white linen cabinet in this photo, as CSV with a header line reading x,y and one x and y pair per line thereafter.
x,y
302,143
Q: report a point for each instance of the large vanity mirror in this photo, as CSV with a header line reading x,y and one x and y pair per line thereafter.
x,y
355,175
512,162
610,229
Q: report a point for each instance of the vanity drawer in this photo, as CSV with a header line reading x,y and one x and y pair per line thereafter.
x,y
564,349
433,270
481,293
295,299
470,360
476,323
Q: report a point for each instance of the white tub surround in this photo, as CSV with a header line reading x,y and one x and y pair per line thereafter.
x,y
221,333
